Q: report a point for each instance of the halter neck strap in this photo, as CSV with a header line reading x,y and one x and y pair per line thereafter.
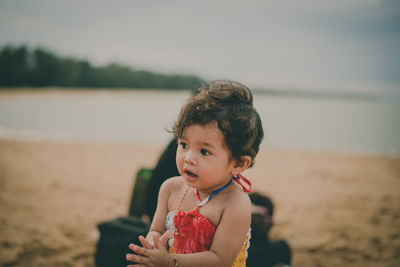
x,y
237,179
202,203
241,177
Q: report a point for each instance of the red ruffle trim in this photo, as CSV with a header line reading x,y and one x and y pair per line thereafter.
x,y
195,234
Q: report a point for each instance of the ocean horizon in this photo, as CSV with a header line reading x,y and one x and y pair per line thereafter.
x,y
341,123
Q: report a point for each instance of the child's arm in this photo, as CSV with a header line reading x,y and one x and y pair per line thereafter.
x,y
228,240
157,227
232,230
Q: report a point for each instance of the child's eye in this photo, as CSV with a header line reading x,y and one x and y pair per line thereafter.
x,y
183,145
205,152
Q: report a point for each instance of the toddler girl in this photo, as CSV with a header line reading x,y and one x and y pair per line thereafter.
x,y
205,214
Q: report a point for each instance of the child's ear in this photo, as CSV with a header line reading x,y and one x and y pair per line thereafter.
x,y
242,165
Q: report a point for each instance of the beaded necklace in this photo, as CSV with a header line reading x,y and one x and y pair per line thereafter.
x,y
199,203
176,232
237,178
202,203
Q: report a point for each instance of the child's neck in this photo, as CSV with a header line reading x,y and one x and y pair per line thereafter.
x,y
204,197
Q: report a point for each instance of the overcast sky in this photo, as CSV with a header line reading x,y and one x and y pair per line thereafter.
x,y
340,45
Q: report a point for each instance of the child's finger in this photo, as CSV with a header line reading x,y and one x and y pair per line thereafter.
x,y
155,242
131,257
164,238
139,250
136,258
145,242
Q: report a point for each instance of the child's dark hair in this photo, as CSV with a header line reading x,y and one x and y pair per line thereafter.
x,y
230,105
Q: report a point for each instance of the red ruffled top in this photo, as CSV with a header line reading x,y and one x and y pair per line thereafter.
x,y
195,232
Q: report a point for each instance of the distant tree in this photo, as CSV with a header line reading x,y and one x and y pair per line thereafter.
x,y
21,67
14,70
45,69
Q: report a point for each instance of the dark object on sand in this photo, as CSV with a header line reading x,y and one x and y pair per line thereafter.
x,y
115,236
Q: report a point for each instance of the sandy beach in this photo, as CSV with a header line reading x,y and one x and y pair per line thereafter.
x,y
334,210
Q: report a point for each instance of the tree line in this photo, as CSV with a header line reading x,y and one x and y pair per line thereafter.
x,y
21,66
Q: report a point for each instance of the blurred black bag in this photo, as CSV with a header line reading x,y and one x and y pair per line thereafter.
x,y
116,235
140,192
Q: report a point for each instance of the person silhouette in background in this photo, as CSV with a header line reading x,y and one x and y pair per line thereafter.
x,y
262,251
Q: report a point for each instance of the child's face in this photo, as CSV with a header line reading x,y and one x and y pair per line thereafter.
x,y
203,159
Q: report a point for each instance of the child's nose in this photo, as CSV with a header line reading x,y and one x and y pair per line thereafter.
x,y
190,158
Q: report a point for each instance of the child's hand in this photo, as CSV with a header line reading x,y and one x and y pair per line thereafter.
x,y
149,244
149,254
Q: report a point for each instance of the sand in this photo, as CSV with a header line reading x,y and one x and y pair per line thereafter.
x,y
334,210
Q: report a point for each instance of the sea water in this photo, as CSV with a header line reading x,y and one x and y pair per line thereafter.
x,y
308,123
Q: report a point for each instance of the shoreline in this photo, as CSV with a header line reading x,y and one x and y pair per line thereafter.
x,y
332,209
44,114
37,138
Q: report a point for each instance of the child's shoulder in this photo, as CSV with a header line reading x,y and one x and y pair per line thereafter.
x,y
173,183
238,199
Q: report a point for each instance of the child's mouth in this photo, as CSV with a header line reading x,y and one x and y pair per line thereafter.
x,y
190,174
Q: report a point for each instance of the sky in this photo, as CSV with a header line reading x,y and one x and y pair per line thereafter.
x,y
342,45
